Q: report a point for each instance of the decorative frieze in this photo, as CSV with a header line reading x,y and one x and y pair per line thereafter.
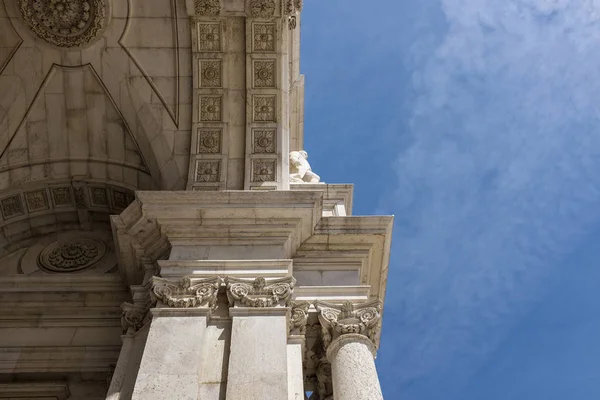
x,y
264,108
12,207
299,317
186,293
209,37
209,141
37,200
210,73
98,197
208,171
263,141
264,170
61,196
348,318
259,292
208,8
262,8
263,36
264,73
210,108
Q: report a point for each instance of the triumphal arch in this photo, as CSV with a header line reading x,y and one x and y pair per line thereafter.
x,y
163,234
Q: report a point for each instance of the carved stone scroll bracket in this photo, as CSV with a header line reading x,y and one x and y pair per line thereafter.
x,y
187,293
291,9
348,318
260,292
299,317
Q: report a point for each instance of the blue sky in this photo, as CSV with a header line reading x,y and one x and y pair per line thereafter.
x,y
477,124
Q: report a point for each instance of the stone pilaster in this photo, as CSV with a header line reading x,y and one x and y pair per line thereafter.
x,y
258,361
295,349
349,332
170,366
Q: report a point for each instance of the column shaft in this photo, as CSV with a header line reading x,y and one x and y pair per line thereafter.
x,y
353,368
258,358
295,372
170,367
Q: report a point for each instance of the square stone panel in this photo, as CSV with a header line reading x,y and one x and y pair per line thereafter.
x,y
208,171
37,200
264,170
264,73
264,108
210,73
263,141
98,197
263,37
210,108
120,199
209,141
209,37
61,196
12,207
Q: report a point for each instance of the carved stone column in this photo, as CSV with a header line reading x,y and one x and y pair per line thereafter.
x,y
348,335
258,357
170,367
296,343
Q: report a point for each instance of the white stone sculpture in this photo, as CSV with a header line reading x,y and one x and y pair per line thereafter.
x,y
300,171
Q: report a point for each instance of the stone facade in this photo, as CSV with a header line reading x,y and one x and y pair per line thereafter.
x,y
162,234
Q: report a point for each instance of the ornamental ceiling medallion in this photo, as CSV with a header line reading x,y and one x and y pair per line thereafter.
x,y
72,255
65,23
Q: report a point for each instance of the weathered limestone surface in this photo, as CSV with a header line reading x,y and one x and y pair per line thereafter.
x,y
353,369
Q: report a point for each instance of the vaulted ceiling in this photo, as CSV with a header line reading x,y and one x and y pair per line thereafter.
x,y
95,102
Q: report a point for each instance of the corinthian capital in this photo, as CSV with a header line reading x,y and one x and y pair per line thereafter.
x,y
188,292
259,292
348,318
299,317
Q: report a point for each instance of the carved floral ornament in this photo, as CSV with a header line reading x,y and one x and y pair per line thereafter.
x,y
348,318
209,8
259,292
72,255
65,23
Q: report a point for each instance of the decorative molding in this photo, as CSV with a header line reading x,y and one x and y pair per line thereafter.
x,y
207,8
263,37
348,318
264,108
37,200
209,37
210,108
186,293
209,141
72,255
264,170
299,317
12,207
264,73
208,171
65,23
262,8
259,292
210,73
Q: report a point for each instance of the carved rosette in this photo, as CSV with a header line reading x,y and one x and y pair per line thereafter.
x,y
348,318
262,8
72,255
259,292
209,8
299,317
65,23
132,316
186,293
